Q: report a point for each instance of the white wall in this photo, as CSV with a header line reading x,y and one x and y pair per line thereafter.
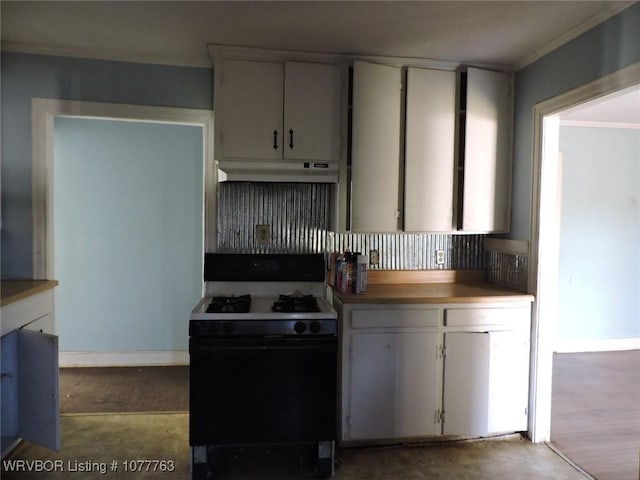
x,y
600,236
128,233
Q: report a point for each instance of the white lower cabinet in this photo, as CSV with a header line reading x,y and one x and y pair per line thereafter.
x,y
406,373
486,380
393,391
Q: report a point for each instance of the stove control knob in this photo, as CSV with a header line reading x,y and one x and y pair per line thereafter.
x,y
315,327
300,327
227,327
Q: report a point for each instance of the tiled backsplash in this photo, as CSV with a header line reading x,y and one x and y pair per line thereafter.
x,y
299,218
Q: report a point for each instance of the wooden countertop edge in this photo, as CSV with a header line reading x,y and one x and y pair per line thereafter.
x,y
16,290
358,299
434,294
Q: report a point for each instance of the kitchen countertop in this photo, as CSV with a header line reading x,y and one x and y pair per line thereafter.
x,y
434,293
431,287
14,290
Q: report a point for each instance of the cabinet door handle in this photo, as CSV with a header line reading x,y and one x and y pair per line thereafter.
x,y
291,139
275,139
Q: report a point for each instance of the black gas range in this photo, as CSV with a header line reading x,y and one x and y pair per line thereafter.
x,y
263,358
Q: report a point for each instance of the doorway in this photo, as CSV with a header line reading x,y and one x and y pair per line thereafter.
x,y
545,258
127,204
127,120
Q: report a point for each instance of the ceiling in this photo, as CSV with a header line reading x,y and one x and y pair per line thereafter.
x,y
503,34
621,108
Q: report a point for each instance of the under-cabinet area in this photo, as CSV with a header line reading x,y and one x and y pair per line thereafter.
x,y
410,370
30,407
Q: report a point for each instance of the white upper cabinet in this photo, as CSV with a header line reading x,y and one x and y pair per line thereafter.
x,y
487,147
312,103
267,110
429,150
249,99
375,148
404,170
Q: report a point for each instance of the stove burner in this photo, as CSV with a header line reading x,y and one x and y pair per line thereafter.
x,y
233,304
296,303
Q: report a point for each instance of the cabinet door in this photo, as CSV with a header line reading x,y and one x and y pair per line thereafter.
x,y
488,152
393,391
249,96
312,100
429,150
9,391
375,149
38,397
486,378
466,384
372,388
509,382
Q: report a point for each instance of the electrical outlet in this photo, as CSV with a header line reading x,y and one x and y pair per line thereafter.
x,y
263,234
374,259
439,257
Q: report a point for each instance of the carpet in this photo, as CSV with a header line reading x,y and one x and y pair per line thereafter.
x,y
124,389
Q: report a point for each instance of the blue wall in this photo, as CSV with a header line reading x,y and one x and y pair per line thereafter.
x,y
602,50
26,76
599,275
127,210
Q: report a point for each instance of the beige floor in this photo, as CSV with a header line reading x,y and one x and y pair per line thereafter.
x,y
106,440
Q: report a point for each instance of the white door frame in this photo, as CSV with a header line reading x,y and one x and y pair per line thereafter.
x,y
43,113
544,245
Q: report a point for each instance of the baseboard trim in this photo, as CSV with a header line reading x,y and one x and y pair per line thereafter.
x,y
611,345
120,358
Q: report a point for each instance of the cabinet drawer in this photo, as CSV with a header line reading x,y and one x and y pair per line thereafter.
x,y
394,318
470,317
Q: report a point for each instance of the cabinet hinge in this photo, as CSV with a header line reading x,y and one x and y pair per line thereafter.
x,y
400,86
442,351
442,416
438,417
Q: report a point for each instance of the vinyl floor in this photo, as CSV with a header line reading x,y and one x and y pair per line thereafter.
x,y
111,443
595,423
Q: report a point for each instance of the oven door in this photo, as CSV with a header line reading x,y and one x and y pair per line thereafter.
x,y
262,390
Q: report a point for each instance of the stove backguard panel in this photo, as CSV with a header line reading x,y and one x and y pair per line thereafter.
x,y
298,215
